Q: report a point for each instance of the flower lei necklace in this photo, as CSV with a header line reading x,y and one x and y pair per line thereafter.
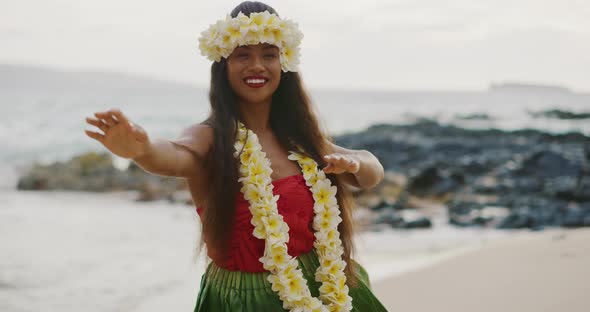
x,y
285,276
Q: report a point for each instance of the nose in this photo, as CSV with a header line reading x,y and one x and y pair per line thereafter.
x,y
257,64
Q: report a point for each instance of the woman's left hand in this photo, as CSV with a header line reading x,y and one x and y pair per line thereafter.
x,y
340,163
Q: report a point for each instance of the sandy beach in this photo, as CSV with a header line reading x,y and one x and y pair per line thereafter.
x,y
543,271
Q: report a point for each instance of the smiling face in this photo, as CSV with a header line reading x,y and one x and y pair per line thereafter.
x,y
254,72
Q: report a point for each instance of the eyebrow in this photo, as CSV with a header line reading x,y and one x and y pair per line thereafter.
x,y
265,47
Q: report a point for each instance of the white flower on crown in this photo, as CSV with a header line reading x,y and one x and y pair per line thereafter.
x,y
221,38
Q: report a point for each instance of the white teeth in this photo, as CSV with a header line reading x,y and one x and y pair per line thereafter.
x,y
254,81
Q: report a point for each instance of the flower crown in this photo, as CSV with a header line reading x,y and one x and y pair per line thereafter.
x,y
221,38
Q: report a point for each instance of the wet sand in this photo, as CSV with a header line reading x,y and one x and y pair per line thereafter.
x,y
543,271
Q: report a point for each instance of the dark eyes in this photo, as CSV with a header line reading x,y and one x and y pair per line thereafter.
x,y
268,56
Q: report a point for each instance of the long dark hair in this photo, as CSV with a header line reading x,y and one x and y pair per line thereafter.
x,y
292,120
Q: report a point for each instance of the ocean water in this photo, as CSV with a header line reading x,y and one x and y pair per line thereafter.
x,y
72,251
50,126
78,251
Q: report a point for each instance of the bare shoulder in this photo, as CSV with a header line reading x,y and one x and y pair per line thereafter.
x,y
194,143
197,138
203,130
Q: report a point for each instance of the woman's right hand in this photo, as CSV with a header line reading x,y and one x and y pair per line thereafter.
x,y
121,136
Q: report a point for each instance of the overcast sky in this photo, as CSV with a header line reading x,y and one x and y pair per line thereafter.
x,y
384,44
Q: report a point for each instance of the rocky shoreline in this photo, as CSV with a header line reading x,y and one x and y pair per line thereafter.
x,y
482,178
490,178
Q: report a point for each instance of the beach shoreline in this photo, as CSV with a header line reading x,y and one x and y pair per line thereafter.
x,y
539,271
134,256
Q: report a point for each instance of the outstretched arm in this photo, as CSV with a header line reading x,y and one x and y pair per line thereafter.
x,y
127,139
359,168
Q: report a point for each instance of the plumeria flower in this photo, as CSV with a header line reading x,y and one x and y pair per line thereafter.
x,y
319,175
243,19
336,267
307,304
325,251
306,160
275,256
277,237
273,21
320,207
327,260
295,156
259,180
288,57
324,193
328,291
256,220
267,36
326,215
276,284
260,210
326,236
332,235
334,244
343,300
249,145
293,274
294,289
258,167
333,270
258,20
254,193
290,267
265,206
309,172
324,225
274,223
259,232
230,33
247,155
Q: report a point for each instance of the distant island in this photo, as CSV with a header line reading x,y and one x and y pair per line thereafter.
x,y
527,87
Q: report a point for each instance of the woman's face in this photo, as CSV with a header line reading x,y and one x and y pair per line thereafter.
x,y
254,72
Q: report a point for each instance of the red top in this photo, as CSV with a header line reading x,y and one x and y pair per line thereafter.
x,y
295,204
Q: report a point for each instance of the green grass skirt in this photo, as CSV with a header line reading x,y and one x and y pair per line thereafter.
x,y
230,291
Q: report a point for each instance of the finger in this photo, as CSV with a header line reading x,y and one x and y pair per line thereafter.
x,y
97,123
353,166
340,163
119,115
102,115
110,121
95,135
328,168
107,118
331,157
340,160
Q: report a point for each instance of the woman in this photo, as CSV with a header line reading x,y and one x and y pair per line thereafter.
x,y
277,227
